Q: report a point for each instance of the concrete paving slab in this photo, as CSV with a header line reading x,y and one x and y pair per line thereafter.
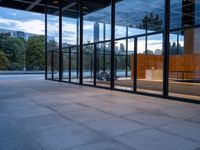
x,y
157,140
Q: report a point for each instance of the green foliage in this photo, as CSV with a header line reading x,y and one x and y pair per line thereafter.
x,y
4,62
35,53
14,50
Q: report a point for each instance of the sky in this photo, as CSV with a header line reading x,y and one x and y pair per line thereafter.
x,y
12,19
15,20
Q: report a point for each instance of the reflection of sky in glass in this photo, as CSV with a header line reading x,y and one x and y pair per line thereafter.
x,y
53,26
128,13
69,30
11,19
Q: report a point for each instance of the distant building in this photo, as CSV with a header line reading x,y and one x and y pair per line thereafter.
x,y
23,35
96,32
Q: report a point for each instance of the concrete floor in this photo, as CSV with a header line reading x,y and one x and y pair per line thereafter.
x,y
43,115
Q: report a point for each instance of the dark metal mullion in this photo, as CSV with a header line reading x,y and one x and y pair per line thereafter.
x,y
46,55
126,52
104,47
52,65
91,65
60,44
81,42
177,44
77,62
70,64
112,45
135,65
166,49
77,47
95,56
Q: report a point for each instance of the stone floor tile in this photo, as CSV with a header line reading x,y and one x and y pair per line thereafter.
x,y
115,126
43,121
85,115
156,140
185,129
19,141
63,137
105,145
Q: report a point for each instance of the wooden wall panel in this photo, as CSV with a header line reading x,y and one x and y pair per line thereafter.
x,y
180,66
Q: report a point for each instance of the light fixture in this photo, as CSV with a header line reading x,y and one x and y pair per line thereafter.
x,y
56,2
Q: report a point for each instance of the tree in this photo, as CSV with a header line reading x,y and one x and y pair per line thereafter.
x,y
14,50
4,62
35,53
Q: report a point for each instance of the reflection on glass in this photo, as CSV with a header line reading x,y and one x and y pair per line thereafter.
x,y
75,64
123,52
49,66
184,13
103,64
55,65
88,63
150,65
66,62
52,43
184,67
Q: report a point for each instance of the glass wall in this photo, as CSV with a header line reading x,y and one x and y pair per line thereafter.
x,y
96,28
150,64
88,64
70,38
139,46
184,67
53,43
149,48
103,64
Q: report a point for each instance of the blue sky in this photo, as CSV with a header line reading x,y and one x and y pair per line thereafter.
x,y
12,19
17,20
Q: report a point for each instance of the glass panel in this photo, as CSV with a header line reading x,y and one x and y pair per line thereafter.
x,y
88,63
103,64
96,24
184,13
55,65
147,16
49,65
66,68
184,67
70,37
53,39
96,28
123,64
150,65
75,65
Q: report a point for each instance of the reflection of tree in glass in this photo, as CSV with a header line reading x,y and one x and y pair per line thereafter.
x,y
150,21
175,49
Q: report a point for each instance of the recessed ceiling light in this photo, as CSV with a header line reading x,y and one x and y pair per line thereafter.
x,y
56,2
85,7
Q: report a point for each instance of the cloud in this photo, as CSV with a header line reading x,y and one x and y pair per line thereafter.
x,y
31,26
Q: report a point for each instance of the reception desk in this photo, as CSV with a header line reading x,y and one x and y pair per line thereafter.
x,y
154,74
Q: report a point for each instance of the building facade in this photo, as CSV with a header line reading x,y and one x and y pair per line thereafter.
x,y
159,40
